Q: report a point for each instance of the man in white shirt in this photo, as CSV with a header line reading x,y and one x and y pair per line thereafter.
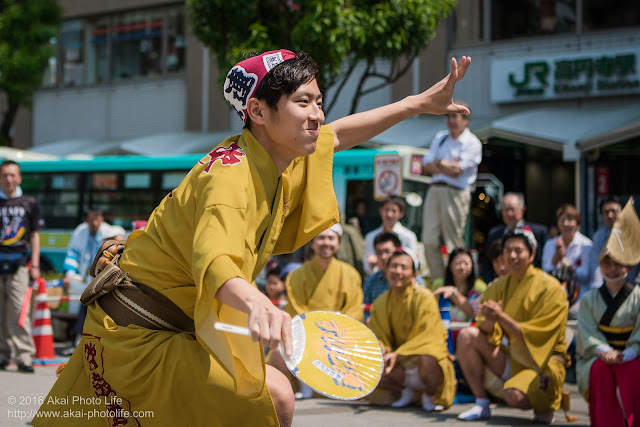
x,y
83,246
391,212
452,162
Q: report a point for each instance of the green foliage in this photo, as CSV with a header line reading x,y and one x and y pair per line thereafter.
x,y
333,32
26,26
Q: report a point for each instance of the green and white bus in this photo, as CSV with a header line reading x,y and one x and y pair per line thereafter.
x,y
128,187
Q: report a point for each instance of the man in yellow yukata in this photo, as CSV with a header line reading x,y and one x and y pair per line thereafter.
x,y
517,351
322,283
407,322
149,342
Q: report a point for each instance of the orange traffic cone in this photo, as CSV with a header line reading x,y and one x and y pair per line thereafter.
x,y
42,330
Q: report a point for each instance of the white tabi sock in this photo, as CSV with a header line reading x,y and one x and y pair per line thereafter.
x,y
406,398
479,411
428,404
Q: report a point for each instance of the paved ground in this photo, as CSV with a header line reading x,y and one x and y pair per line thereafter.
x,y
20,395
325,412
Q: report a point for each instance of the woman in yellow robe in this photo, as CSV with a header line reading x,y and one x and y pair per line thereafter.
x,y
267,191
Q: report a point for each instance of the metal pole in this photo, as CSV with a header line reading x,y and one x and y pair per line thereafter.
x,y
205,89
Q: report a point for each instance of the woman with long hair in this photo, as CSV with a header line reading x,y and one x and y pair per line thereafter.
x,y
461,286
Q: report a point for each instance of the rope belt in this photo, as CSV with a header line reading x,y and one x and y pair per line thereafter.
x,y
132,303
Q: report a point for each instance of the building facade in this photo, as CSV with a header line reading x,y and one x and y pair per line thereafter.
x,y
554,87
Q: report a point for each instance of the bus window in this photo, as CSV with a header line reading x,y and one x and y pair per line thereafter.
x,y
33,183
58,208
67,181
123,207
104,181
137,180
170,180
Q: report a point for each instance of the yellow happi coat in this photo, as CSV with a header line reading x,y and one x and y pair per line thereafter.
x,y
540,307
338,288
590,336
410,325
225,219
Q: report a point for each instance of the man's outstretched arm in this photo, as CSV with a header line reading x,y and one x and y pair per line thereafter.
x,y
357,128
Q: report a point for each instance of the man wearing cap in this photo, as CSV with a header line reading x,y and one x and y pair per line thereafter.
x,y
609,331
406,320
266,191
517,349
323,283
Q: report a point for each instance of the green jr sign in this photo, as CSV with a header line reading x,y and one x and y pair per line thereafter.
x,y
579,76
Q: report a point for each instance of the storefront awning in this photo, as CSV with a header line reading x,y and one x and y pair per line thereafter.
x,y
415,132
567,129
161,144
18,155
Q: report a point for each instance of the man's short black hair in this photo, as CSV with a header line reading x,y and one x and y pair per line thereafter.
x,y
396,200
495,250
94,211
511,234
6,163
275,271
401,252
387,236
611,199
284,79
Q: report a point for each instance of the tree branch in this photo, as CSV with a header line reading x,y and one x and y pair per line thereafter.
x,y
7,121
388,78
356,98
346,77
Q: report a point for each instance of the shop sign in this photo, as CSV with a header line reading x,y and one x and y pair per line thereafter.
x,y
602,181
388,176
586,74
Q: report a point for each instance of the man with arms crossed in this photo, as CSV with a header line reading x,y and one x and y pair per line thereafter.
x,y
452,162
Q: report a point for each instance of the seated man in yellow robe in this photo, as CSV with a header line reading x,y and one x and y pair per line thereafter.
x,y
406,320
322,283
517,351
151,345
